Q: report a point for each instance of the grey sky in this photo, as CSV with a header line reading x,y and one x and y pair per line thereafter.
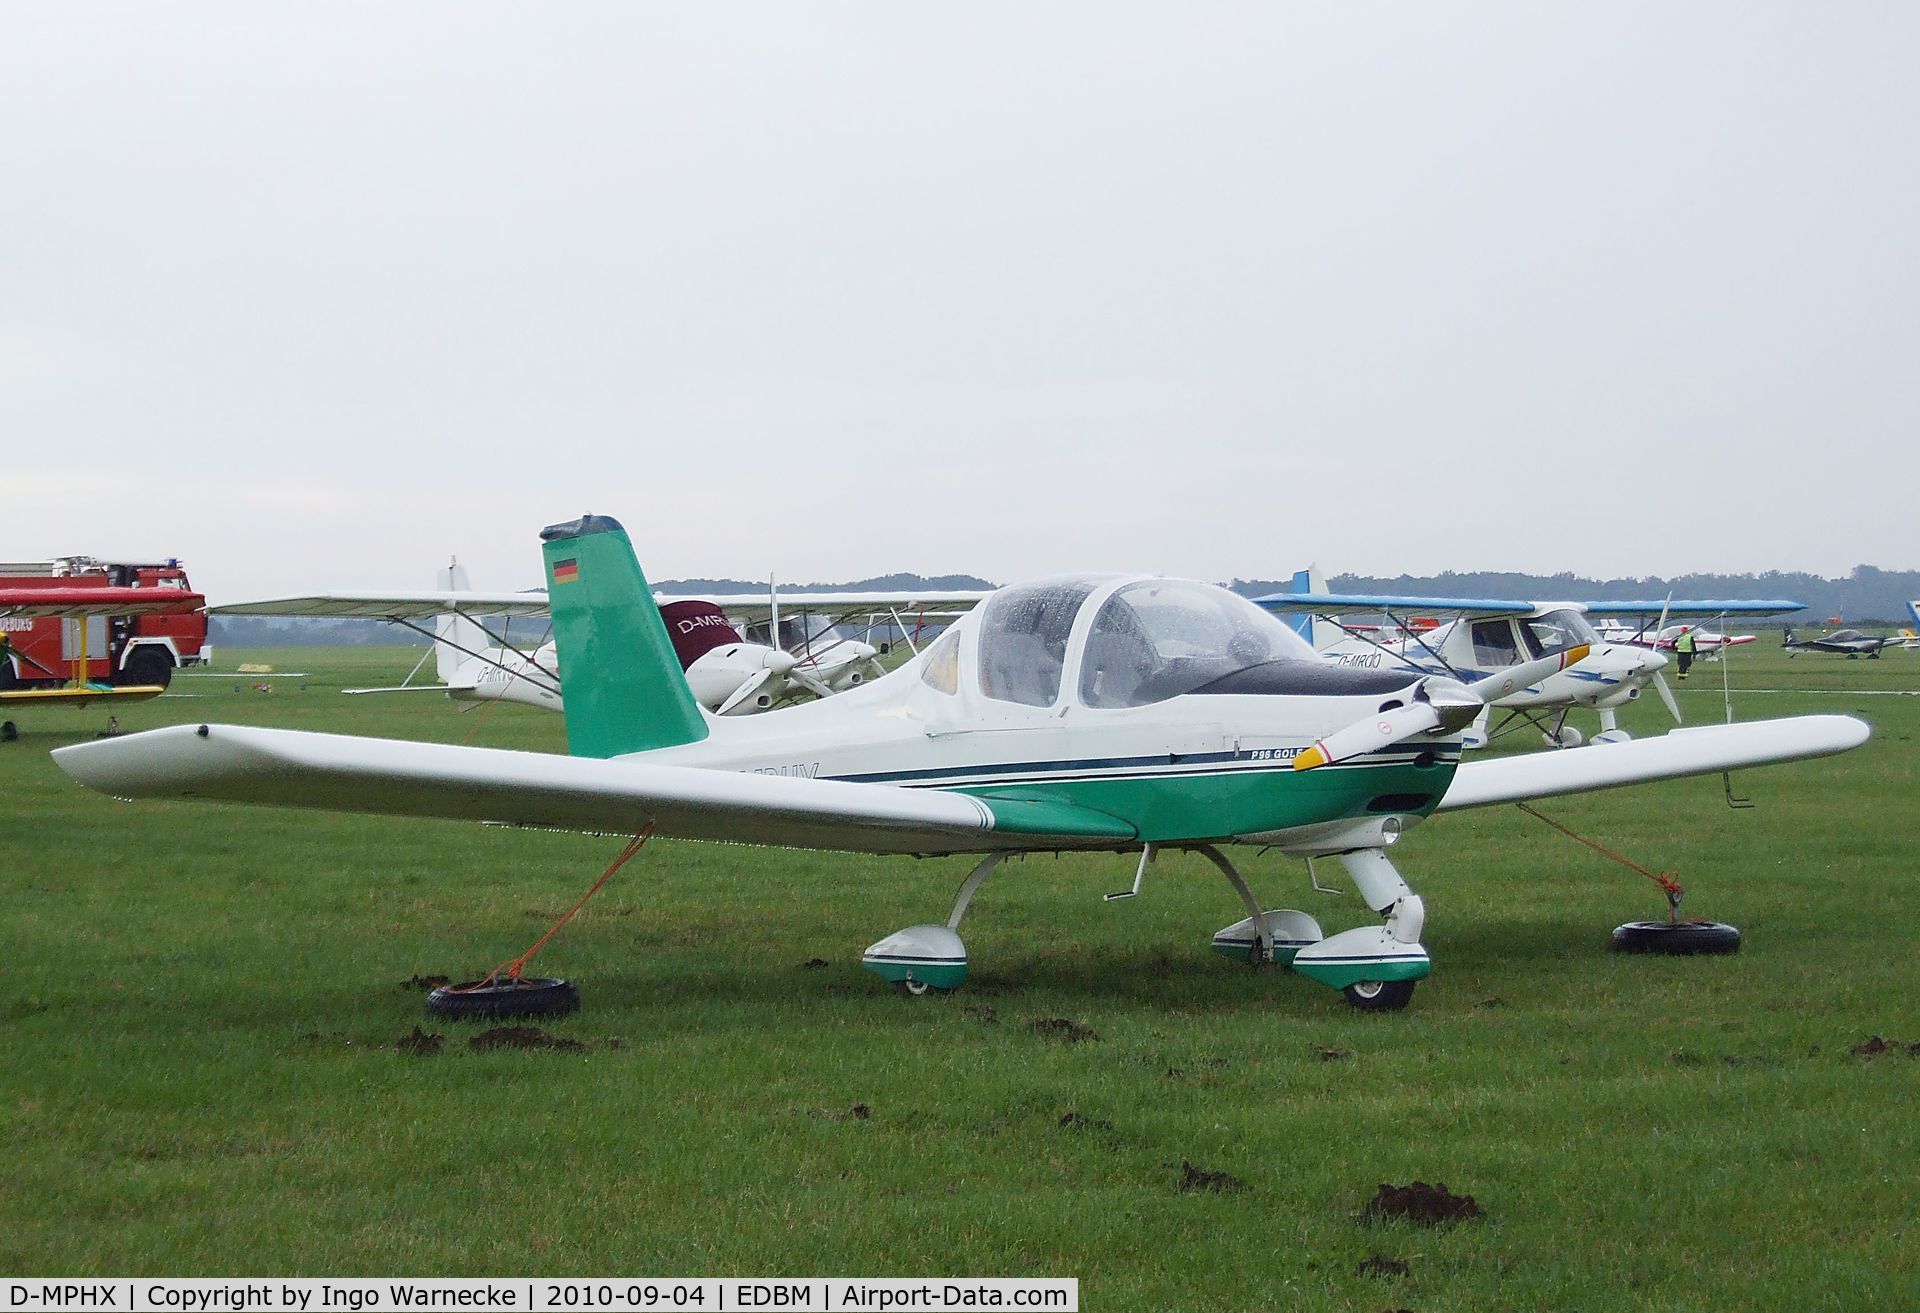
x,y
320,294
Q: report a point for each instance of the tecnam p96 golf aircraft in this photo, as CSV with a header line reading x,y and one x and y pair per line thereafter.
x,y
1104,713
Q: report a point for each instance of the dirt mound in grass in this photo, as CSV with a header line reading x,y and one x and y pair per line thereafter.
x,y
1197,1180
424,983
1379,1265
1428,1205
1064,1029
419,1043
523,1037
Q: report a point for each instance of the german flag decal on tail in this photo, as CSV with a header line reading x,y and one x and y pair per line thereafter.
x,y
565,572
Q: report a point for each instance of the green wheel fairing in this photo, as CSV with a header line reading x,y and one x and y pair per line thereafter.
x,y
939,975
1338,975
1218,804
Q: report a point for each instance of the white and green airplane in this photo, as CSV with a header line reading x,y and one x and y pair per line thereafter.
x,y
1104,713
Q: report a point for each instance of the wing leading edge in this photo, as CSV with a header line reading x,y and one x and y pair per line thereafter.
x,y
1703,751
336,772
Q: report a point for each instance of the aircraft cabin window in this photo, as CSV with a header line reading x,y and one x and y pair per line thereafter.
x,y
1493,643
1023,639
1556,631
1160,638
940,668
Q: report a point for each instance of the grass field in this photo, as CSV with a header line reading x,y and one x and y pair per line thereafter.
x,y
199,1073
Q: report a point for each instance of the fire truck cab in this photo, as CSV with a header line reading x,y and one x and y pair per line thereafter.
x,y
118,650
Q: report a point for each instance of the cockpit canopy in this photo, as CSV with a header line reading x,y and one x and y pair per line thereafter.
x,y
1112,642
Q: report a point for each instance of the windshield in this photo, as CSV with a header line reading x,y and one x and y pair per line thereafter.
x,y
1556,631
1160,638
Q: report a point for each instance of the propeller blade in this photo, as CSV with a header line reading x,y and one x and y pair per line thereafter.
x,y
1369,735
812,683
1666,696
1514,678
748,690
1437,704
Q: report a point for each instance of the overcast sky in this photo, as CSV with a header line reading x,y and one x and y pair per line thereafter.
x,y
322,294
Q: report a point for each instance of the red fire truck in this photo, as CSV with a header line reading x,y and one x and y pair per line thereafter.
x,y
141,649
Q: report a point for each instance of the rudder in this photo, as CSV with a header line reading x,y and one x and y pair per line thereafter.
x,y
621,680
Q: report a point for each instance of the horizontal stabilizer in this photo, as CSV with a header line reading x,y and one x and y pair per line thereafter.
x,y
79,697
342,773
1703,751
414,688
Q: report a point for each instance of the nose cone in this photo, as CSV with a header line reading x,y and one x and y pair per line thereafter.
x,y
780,663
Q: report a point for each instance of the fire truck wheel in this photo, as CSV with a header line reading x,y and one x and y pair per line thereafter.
x,y
148,666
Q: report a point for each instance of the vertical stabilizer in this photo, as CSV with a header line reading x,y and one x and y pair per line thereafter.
x,y
624,689
460,638
1322,633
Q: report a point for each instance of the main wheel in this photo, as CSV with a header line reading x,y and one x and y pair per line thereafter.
x,y
919,988
1680,939
528,997
1380,995
147,665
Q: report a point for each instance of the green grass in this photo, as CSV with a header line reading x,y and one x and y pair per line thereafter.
x,y
197,1072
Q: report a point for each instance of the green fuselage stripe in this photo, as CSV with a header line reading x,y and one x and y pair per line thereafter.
x,y
1205,805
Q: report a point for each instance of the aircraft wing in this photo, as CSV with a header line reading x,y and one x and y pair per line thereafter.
x,y
80,697
336,772
746,606
96,601
1700,751
392,606
1770,606
1327,603
754,608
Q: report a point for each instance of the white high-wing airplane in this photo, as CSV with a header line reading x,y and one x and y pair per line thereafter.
x,y
1108,713
1708,643
1488,637
727,674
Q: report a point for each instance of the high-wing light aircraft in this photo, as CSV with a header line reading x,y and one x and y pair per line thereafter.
x,y
1106,713
1708,643
1841,642
727,674
1489,636
85,612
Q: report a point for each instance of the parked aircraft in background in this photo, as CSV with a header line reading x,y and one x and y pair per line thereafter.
x,y
1841,642
728,675
85,613
1109,713
1489,636
1708,643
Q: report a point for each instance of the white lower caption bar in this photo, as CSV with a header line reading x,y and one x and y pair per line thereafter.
x,y
687,1294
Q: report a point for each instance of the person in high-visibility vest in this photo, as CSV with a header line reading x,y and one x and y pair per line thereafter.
x,y
1683,647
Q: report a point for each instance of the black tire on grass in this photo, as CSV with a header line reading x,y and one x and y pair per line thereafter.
x,y
1686,938
530,997
1380,995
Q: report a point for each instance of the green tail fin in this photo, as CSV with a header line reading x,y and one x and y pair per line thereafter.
x,y
622,681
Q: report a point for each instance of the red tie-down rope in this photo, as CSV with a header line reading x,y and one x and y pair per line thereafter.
x,y
1665,879
514,966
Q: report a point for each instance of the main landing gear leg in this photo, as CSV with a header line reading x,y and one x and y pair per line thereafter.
x,y
1263,936
1374,966
1610,731
930,957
